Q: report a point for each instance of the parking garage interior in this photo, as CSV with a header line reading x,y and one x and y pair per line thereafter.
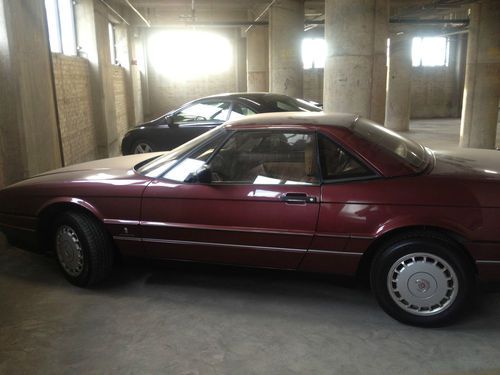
x,y
77,75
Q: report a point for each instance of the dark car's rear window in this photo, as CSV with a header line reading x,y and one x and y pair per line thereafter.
x,y
282,103
408,151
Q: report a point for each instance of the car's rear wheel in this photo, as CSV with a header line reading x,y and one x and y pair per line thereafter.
x,y
422,279
141,147
83,249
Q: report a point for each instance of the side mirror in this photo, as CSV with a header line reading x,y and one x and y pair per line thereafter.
x,y
202,176
169,120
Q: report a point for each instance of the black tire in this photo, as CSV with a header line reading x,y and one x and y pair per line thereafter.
x,y
83,248
144,145
422,279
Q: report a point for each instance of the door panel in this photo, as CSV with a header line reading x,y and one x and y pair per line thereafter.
x,y
239,224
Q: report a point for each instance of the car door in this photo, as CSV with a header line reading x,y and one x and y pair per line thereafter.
x,y
337,246
259,208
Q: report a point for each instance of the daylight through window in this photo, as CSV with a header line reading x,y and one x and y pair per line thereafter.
x,y
430,51
61,24
313,53
112,43
183,54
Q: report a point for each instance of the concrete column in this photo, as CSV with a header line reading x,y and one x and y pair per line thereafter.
x,y
135,71
286,27
355,69
127,43
240,61
482,77
93,40
29,137
397,106
257,59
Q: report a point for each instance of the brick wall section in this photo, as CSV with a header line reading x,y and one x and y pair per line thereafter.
x,y
120,90
74,103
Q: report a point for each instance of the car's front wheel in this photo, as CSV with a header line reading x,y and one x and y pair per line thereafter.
x,y
421,279
83,249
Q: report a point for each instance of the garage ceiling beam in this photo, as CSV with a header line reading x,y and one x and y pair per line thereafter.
x,y
114,12
138,13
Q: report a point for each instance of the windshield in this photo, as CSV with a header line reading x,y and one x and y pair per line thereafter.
x,y
158,166
402,148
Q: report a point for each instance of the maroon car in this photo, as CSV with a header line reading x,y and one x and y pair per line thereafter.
x,y
310,192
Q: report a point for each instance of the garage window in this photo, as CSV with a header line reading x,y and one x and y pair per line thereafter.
x,y
112,43
61,25
430,51
313,53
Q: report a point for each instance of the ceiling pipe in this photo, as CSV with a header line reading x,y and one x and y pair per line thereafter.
x,y
261,15
250,24
214,24
418,21
115,12
138,13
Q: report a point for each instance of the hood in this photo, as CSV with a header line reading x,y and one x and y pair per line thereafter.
x,y
468,163
101,170
120,163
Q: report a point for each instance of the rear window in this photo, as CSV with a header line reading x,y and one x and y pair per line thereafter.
x,y
402,148
283,103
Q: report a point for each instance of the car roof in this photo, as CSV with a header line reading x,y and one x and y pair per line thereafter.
x,y
295,118
246,95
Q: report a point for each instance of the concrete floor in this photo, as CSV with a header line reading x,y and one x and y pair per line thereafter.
x,y
170,318
438,133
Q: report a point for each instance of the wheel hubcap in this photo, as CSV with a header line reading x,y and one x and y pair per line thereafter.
x,y
142,148
422,284
69,250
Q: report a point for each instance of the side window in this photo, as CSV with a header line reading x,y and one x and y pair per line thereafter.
x,y
194,162
268,158
337,164
240,110
203,111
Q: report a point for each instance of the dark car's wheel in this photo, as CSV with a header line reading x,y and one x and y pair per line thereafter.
x,y
422,279
141,147
83,249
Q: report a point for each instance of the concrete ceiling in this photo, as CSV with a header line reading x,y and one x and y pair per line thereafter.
x,y
161,12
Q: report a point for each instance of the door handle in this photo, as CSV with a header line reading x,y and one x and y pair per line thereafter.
x,y
297,198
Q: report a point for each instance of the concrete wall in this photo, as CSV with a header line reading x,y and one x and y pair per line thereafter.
x,y
313,85
438,91
75,108
433,92
59,110
92,19
29,140
137,93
